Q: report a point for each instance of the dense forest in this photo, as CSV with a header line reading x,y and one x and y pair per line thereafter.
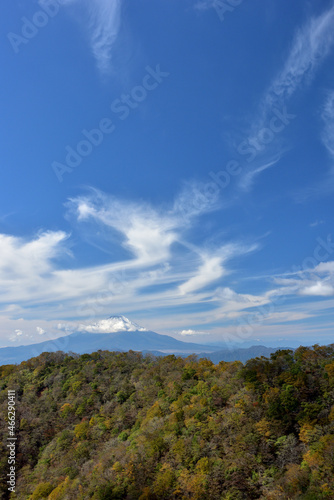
x,y
126,426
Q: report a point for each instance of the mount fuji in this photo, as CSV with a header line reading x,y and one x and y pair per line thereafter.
x,y
116,333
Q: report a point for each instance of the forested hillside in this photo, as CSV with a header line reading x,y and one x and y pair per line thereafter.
x,y
123,426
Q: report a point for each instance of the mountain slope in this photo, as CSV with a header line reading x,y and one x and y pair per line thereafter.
x,y
242,354
84,342
118,333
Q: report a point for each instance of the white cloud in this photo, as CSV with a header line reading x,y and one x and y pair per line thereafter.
x,y
319,289
325,267
14,318
231,302
192,332
40,330
324,186
18,336
316,223
102,19
317,281
104,24
147,233
328,119
66,327
247,180
287,316
187,332
27,267
213,266
211,270
20,258
196,199
311,44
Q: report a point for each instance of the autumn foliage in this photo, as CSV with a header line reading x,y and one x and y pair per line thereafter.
x,y
124,426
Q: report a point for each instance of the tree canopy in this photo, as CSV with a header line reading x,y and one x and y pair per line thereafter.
x,y
125,426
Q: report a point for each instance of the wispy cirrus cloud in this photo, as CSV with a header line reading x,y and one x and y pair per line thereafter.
x,y
213,266
328,121
315,282
249,177
102,20
145,232
210,270
324,186
195,199
104,25
310,46
28,259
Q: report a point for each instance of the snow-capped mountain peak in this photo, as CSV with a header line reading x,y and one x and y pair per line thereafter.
x,y
112,325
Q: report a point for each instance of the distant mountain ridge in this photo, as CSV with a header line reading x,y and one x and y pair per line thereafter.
x,y
238,354
117,333
124,335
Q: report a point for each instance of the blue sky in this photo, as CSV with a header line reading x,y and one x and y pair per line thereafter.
x,y
171,161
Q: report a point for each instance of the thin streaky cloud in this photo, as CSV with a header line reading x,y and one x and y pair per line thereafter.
x,y
310,46
328,120
210,270
103,18
248,179
316,282
325,186
104,24
146,234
